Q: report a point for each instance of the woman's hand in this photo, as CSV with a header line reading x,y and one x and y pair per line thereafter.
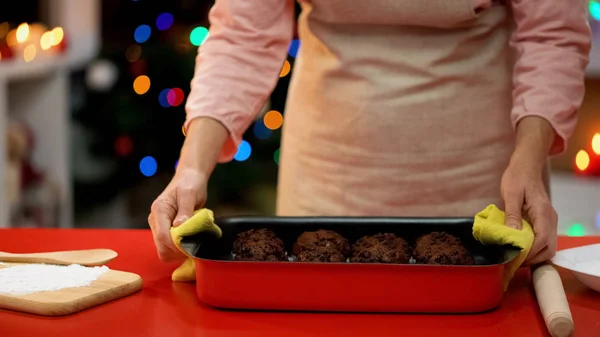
x,y
185,193
523,189
524,194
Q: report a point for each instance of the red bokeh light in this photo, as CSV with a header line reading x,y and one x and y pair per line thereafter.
x,y
124,146
175,97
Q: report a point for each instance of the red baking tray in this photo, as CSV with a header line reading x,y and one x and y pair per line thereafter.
x,y
347,287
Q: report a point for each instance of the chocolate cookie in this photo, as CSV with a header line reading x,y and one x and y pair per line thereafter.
x,y
321,238
380,248
321,254
258,245
442,248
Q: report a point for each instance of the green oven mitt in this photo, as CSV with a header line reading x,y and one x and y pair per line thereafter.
x,y
489,229
202,220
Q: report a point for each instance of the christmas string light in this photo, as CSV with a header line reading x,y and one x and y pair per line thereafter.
x,y
596,144
243,152
582,160
273,120
164,21
285,70
142,33
133,53
22,32
576,230
261,131
47,40
587,160
58,35
141,84
276,156
162,98
294,48
29,41
198,36
175,97
594,9
29,53
123,146
148,166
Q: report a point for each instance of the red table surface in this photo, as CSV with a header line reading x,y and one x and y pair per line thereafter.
x,y
167,309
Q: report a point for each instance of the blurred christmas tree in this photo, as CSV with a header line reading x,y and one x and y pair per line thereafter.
x,y
128,106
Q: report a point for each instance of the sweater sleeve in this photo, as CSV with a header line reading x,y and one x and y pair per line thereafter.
x,y
552,43
238,65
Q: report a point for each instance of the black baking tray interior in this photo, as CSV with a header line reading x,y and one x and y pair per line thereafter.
x,y
206,246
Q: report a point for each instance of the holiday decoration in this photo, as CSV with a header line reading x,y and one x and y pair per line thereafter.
x,y
32,195
29,42
587,161
133,129
101,75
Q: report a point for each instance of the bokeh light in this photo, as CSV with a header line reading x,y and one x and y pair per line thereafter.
x,y
142,33
11,38
273,120
162,98
141,84
598,220
133,52
261,131
29,53
276,156
198,36
286,69
582,160
47,40
138,67
58,34
576,230
123,146
164,21
22,33
175,97
594,9
148,166
294,48
596,144
243,152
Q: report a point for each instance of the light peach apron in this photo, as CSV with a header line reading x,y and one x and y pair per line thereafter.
x,y
398,108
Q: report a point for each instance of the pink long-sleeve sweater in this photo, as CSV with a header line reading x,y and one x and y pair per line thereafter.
x,y
238,65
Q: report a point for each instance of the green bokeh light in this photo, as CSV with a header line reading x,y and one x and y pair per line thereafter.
x,y
198,36
576,230
594,8
276,157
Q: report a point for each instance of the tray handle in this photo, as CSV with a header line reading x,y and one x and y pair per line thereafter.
x,y
204,237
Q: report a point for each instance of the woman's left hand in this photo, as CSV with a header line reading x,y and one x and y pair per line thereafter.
x,y
524,192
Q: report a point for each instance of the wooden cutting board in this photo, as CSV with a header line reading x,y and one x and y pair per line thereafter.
x,y
109,286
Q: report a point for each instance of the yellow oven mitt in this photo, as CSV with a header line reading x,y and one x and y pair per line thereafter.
x,y
489,229
202,220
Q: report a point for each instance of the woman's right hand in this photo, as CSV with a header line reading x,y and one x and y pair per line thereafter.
x,y
187,190
184,194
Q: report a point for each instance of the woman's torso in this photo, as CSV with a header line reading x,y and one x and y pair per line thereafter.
x,y
397,108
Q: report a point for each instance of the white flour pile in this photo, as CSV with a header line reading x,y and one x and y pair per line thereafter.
x,y
32,278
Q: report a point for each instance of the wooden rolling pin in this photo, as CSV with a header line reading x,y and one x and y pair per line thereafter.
x,y
553,301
